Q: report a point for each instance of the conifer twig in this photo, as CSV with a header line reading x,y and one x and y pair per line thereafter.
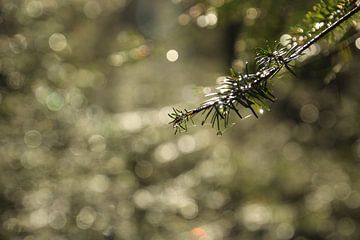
x,y
250,90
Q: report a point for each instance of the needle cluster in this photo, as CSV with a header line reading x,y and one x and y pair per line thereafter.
x,y
250,90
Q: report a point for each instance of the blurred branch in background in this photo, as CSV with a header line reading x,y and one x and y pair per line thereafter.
x,y
86,151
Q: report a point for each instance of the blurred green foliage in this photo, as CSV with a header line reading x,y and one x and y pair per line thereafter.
x,y
87,153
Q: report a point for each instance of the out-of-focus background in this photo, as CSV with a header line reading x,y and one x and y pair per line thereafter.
x,y
87,152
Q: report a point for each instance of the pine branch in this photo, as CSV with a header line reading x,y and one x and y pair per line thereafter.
x,y
250,90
